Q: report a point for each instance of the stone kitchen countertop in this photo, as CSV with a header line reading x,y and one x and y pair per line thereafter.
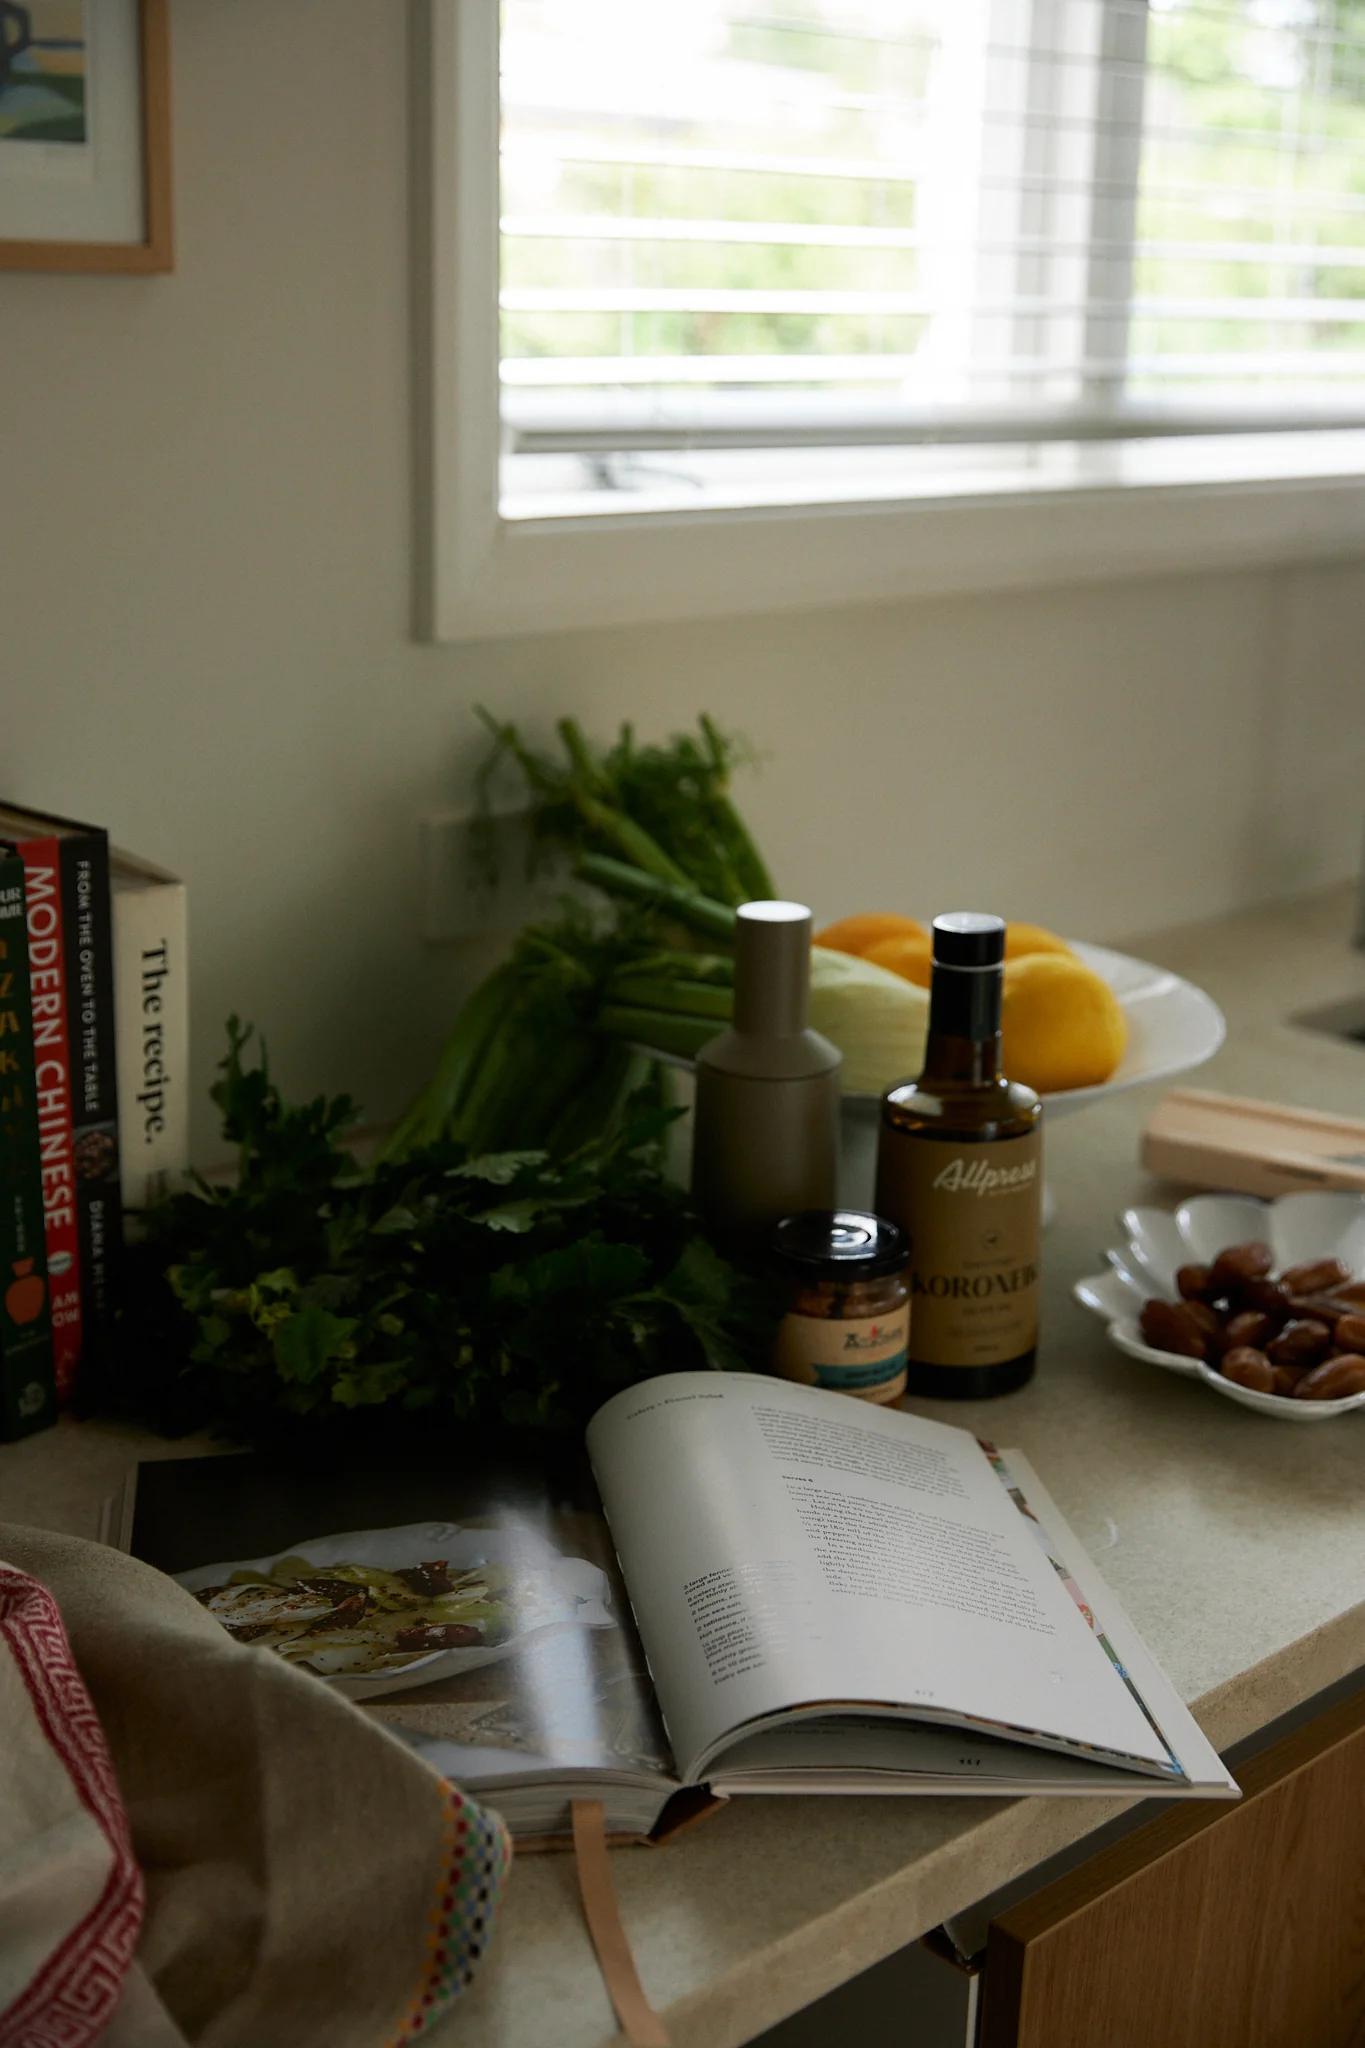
x,y
1235,1544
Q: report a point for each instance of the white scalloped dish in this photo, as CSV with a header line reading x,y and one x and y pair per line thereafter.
x,y
1157,1242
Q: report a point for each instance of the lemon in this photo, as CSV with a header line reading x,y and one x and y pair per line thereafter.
x,y
909,955
1033,938
867,928
1063,1027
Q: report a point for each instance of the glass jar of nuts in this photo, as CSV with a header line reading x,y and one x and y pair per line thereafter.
x,y
847,1323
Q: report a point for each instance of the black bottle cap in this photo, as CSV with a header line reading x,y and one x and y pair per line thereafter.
x,y
840,1244
969,938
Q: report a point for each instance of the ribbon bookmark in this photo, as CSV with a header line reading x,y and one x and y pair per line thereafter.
x,y
639,2022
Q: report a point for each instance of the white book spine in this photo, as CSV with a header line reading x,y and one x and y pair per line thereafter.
x,y
152,1038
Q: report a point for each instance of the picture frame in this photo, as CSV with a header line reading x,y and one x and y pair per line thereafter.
x,y
85,144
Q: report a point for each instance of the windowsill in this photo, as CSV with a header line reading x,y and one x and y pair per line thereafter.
x,y
1001,519
814,480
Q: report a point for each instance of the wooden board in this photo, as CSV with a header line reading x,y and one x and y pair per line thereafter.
x,y
1254,1148
1210,1925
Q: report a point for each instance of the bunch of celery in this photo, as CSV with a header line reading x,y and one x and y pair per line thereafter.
x,y
542,1054
547,1050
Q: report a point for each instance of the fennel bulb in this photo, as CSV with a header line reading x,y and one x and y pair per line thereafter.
x,y
878,1020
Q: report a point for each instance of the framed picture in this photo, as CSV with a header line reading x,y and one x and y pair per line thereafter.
x,y
85,147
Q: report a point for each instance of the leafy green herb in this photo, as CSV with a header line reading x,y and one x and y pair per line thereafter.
x,y
453,1284
665,810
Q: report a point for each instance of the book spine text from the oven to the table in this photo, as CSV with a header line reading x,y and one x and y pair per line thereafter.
x,y
88,928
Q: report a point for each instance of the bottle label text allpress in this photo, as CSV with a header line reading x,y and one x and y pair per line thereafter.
x,y
972,1215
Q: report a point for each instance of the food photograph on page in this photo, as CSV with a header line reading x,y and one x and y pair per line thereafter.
x,y
491,1617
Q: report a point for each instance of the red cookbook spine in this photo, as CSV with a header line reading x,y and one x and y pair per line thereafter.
x,y
52,1084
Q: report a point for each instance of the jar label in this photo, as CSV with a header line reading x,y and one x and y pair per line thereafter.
x,y
971,1212
860,1355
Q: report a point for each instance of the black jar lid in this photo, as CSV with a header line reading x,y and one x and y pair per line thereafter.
x,y
840,1244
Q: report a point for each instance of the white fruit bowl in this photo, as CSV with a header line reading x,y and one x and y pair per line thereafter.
x,y
1156,1243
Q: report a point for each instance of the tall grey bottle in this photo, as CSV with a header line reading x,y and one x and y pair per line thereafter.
x,y
766,1123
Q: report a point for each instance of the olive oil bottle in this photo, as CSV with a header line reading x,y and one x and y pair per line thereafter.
x,y
959,1167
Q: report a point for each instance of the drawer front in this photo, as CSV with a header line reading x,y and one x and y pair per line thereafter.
x,y
1213,1926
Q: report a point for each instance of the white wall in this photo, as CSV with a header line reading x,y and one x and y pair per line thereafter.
x,y
204,561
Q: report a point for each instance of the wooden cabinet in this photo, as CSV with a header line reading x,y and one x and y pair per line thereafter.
x,y
1212,1926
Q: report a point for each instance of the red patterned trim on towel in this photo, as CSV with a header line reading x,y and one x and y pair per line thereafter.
x,y
71,2000
475,1853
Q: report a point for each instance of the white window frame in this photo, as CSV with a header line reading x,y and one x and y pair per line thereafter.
x,y
1126,510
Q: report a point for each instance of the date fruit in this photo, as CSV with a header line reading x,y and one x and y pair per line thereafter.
x,y
1268,1298
1301,1343
1239,1263
1325,1307
1249,1326
1248,1367
1301,1336
1195,1283
1314,1276
1169,1326
1333,1379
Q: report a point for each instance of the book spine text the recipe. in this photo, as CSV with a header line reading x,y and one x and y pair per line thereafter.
x,y
151,1007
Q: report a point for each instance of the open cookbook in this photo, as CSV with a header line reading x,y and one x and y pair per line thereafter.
x,y
746,1586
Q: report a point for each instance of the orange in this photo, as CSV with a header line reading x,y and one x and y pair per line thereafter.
x,y
1063,1027
1033,938
909,956
867,928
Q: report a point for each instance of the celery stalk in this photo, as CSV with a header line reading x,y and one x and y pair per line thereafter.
x,y
615,878
532,1031
579,753
662,1029
755,881
594,1109
746,860
677,997
430,1115
673,964
544,1069
629,839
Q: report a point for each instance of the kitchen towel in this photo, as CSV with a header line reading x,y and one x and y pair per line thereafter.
x,y
199,1844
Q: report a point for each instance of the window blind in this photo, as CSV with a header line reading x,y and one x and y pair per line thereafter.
x,y
865,222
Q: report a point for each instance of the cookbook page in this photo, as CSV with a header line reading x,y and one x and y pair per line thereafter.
x,y
474,1598
785,1546
1198,1760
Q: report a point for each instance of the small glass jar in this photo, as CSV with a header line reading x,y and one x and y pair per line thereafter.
x,y
847,1323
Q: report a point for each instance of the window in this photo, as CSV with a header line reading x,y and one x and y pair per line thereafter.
x,y
763,259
